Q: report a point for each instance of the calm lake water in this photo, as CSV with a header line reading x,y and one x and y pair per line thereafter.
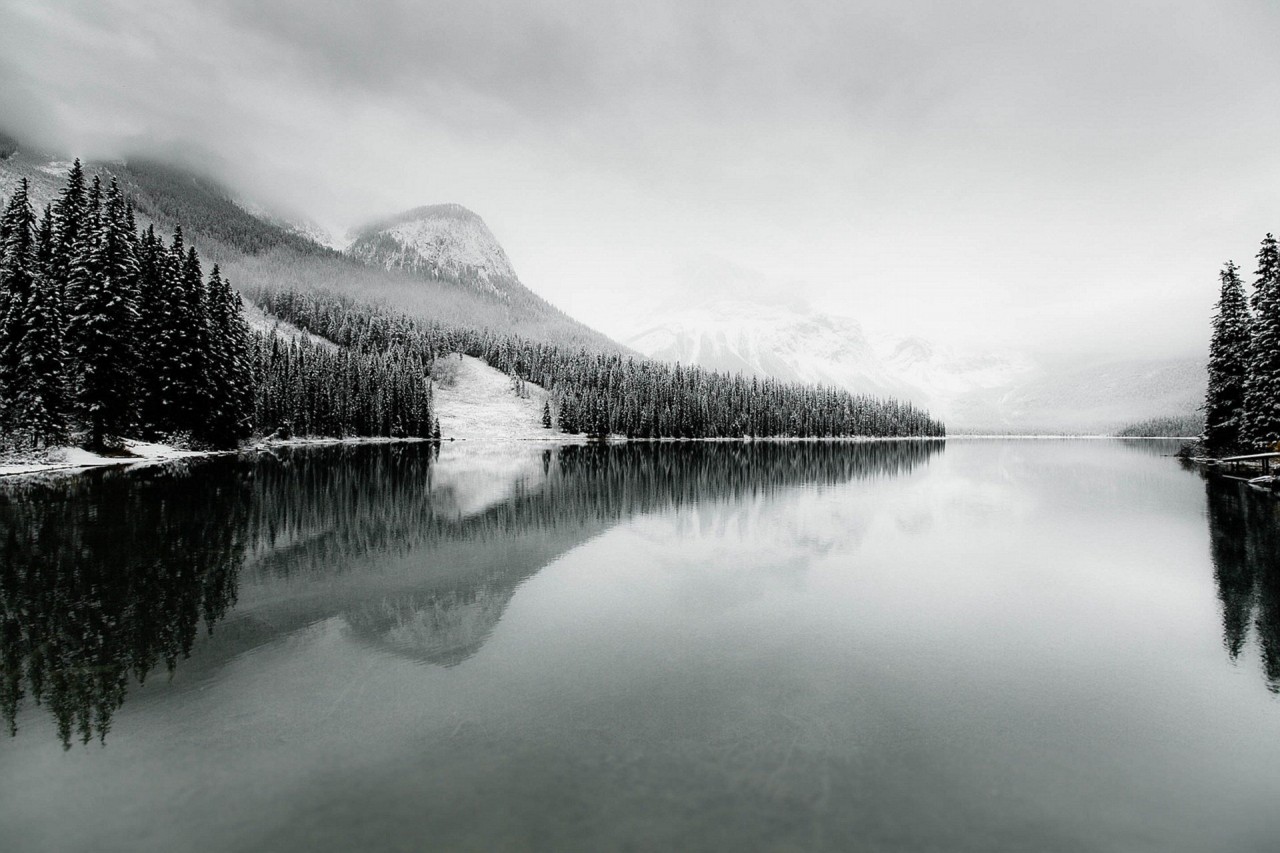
x,y
982,645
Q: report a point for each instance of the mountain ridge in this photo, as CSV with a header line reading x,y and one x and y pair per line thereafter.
x,y
973,390
263,251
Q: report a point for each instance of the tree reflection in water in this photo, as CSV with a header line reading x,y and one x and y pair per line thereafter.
x,y
1244,531
107,575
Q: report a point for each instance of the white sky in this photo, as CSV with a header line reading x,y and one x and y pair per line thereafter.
x,y
1050,175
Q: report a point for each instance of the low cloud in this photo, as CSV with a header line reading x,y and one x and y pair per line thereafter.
x,y
983,171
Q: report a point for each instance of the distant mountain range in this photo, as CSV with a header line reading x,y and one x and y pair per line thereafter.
x,y
973,390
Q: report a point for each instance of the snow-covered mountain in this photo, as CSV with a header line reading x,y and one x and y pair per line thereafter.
x,y
441,241
795,343
999,390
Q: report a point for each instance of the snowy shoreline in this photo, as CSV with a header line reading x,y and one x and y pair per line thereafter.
x,y
144,453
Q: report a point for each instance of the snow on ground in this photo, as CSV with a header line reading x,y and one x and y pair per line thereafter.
x,y
477,402
148,453
473,401
260,321
75,457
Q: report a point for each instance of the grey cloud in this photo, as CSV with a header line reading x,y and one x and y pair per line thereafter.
x,y
912,158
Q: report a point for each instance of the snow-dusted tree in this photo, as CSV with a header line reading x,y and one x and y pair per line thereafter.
x,y
546,414
189,328
39,388
45,243
70,213
155,355
18,274
229,367
104,323
1228,365
1262,388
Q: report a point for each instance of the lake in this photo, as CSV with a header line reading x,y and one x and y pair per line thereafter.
x,y
986,645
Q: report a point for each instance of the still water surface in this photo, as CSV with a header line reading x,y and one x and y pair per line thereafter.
x,y
982,645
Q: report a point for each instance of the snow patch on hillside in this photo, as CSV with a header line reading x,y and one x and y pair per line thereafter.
x,y
261,321
477,402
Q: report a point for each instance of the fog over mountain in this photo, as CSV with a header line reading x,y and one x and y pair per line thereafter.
x,y
1053,177
738,322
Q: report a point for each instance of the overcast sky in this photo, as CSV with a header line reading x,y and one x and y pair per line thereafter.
x,y
1052,175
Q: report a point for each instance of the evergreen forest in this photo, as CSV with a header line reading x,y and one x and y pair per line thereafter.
x,y
109,331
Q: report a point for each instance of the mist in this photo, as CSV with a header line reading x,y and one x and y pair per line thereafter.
x,y
1062,178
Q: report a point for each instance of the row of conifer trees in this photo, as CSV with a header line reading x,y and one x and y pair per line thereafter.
x,y
1242,404
106,332
609,393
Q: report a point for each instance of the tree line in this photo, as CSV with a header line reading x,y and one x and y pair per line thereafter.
x,y
1242,403
608,393
107,332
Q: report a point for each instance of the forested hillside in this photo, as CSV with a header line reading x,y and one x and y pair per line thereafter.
x,y
107,333
260,254
600,394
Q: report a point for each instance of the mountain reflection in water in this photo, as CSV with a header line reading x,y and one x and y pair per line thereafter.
x,y
108,575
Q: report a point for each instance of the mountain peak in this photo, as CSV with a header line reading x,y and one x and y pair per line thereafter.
x,y
448,210
439,241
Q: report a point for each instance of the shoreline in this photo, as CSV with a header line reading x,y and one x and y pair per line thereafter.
x,y
146,453
149,453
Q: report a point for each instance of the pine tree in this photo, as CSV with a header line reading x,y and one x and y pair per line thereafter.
x,y
69,212
40,387
546,414
104,324
1262,388
1228,364
18,274
190,330
152,339
229,370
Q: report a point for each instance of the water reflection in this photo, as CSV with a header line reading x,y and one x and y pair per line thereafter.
x,y
1244,530
107,576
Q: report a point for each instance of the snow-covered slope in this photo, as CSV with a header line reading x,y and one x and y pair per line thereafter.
x,y
794,343
478,402
970,389
444,241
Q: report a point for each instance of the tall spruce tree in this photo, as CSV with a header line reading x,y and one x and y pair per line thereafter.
x,y
18,272
40,384
1229,354
228,365
69,213
190,329
104,324
1262,388
155,358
